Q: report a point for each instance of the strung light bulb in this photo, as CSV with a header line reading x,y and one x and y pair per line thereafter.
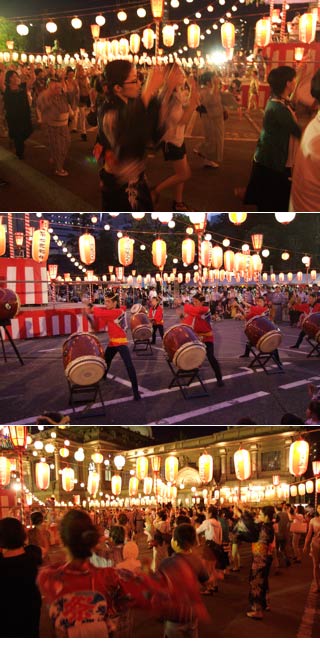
x,y
76,23
100,20
22,30
141,12
122,16
265,253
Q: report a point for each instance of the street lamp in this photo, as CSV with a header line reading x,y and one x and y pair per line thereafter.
x,y
18,438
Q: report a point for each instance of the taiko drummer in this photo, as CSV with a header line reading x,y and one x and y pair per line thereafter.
x,y
198,316
156,317
260,308
113,316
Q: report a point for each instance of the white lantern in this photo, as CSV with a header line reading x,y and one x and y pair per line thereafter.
x,y
76,23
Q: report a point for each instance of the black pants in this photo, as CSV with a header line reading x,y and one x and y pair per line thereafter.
x,y
274,354
300,338
19,146
123,350
155,327
212,360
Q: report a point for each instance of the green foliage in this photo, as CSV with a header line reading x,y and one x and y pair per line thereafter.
x,y
8,32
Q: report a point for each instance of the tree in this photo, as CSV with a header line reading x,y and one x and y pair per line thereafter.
x,y
8,32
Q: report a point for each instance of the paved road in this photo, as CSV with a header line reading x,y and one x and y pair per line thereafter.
x,y
34,187
40,384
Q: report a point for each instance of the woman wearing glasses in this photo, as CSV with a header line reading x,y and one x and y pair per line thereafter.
x,y
127,121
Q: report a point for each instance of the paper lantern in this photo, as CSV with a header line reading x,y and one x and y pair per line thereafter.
x,y
313,274
135,43
147,486
222,275
309,486
155,463
273,278
123,47
122,16
125,251
64,452
142,467
318,485
116,482
263,32
97,457
93,482
115,48
301,489
285,255
41,242
95,31
29,499
76,23
53,271
157,7
79,455
159,253
5,470
18,436
193,36
67,479
100,20
133,486
256,262
281,277
293,491
168,35
316,467
307,27
237,218
205,468
2,238
42,472
228,258
217,257
257,241
119,461
171,467
87,248
242,464
276,480
289,276
299,276
174,492
298,53
298,457
22,30
148,38
239,261
284,218
205,253
51,27
227,35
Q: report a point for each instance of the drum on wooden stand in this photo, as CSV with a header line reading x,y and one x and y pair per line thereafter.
x,y
141,327
137,308
83,359
9,304
311,326
263,334
183,347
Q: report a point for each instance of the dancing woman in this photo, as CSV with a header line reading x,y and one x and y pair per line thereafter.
x,y
113,317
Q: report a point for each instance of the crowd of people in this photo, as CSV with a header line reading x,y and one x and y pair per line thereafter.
x,y
133,110
88,570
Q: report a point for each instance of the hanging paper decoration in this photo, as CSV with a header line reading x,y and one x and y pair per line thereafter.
x,y
42,471
168,35
5,470
188,251
116,483
125,251
147,486
227,35
193,36
41,242
228,258
171,466
242,463
93,482
67,479
133,486
263,32
205,468
142,466
298,457
217,257
87,248
134,43
159,253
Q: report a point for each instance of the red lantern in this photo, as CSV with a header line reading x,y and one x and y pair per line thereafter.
x,y
227,35
87,249
142,467
171,468
242,463
133,486
159,253
205,253
193,36
116,482
67,479
188,251
2,238
263,32
42,475
298,457
18,436
5,470
93,482
229,260
257,241
205,468
41,242
125,251
217,257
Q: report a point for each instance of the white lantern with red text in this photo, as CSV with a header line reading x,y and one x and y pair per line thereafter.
x,y
205,253
159,252
5,470
227,35
242,464
205,468
228,258
298,457
125,251
87,248
263,32
188,251
171,467
67,479
217,257
93,483
42,472
41,242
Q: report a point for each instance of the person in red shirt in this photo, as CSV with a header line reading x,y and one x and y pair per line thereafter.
x,y
198,316
259,309
309,308
112,316
156,317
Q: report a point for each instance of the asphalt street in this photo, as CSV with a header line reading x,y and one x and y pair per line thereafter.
x,y
40,384
34,187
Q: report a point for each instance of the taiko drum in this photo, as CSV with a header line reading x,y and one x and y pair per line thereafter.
x,y
83,359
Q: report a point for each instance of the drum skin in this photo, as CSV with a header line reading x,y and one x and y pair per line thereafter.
x,y
9,304
183,347
135,309
311,326
263,334
141,327
83,359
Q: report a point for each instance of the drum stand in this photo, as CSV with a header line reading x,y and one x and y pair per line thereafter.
x,y
3,324
262,358
183,378
142,347
315,346
87,395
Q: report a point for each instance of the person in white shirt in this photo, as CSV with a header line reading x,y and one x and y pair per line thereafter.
x,y
213,534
